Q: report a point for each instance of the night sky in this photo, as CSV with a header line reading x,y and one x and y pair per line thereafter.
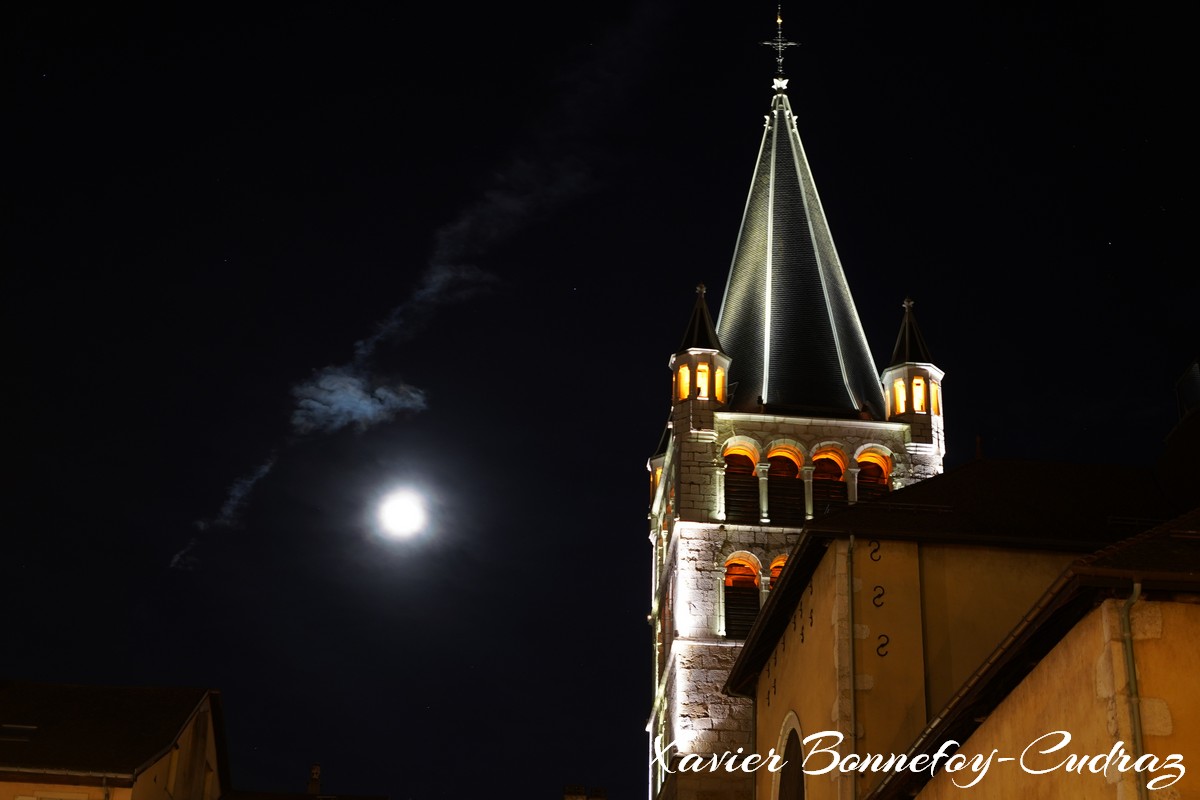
x,y
268,261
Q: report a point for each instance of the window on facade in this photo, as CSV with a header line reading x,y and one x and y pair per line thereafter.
x,y
741,598
826,469
935,389
776,569
702,379
899,393
685,382
782,467
919,395
829,488
785,491
741,490
719,386
872,481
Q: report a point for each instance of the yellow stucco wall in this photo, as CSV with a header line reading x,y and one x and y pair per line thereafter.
x,y
1080,687
919,621
971,598
889,659
799,685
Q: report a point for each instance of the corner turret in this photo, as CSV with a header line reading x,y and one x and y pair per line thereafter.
x,y
912,390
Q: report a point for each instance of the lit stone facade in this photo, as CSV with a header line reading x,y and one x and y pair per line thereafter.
x,y
693,545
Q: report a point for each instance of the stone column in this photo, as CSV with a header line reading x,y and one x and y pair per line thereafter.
x,y
761,469
852,483
719,480
807,472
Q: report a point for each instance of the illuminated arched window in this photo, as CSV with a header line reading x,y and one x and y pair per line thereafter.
x,y
785,490
741,597
826,469
776,569
899,393
919,395
741,490
828,486
782,467
684,382
702,379
935,389
719,387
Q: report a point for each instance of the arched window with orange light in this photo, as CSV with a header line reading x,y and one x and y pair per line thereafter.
x,y
741,484
785,485
684,382
777,569
702,380
935,390
874,474
719,385
900,395
829,486
741,597
918,394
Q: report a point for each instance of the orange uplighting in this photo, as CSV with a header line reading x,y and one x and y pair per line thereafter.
x,y
702,379
776,568
874,460
739,572
788,451
919,395
829,465
741,449
685,382
900,395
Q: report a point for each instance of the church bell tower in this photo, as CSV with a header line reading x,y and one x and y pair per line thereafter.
x,y
778,415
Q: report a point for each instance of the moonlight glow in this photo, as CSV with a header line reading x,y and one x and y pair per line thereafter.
x,y
402,514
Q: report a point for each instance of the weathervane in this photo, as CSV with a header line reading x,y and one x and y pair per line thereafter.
x,y
780,44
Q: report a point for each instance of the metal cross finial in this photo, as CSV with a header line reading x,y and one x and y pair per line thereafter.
x,y
700,288
779,43
908,304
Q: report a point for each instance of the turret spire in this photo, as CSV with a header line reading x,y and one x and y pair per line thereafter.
x,y
910,345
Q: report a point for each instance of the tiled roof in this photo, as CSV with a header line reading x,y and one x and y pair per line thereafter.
x,y
101,730
1055,504
788,320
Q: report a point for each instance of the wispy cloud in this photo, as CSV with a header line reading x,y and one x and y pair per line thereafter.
x,y
555,166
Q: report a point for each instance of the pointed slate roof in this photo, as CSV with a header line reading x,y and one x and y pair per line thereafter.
x,y
787,320
910,345
700,333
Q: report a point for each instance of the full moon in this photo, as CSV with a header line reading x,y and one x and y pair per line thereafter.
x,y
402,514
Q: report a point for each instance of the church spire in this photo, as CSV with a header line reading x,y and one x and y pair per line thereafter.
x,y
787,319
